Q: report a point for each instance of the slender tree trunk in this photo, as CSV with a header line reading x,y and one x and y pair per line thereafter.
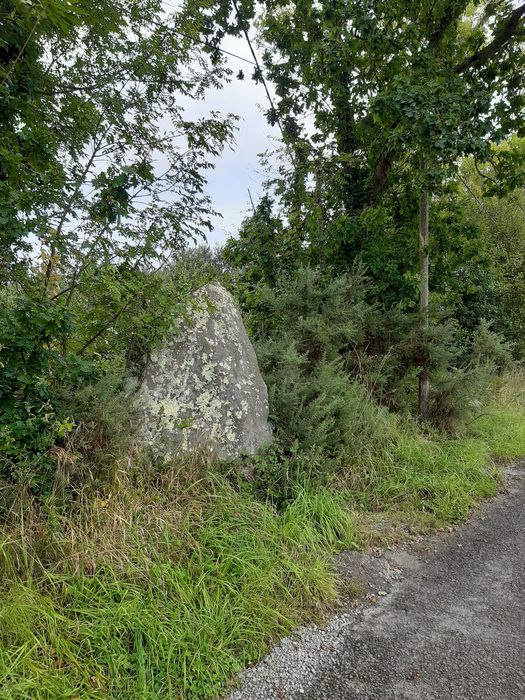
x,y
424,377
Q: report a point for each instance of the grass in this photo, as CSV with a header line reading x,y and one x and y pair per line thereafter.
x,y
167,584
437,476
174,618
502,424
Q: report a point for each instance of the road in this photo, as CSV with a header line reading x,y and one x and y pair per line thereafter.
x,y
449,624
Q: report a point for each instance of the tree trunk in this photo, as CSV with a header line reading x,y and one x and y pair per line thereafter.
x,y
424,377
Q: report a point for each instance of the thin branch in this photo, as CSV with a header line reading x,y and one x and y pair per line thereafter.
x,y
14,63
258,65
484,175
104,328
474,196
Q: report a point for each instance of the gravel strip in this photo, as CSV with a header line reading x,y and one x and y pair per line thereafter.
x,y
294,663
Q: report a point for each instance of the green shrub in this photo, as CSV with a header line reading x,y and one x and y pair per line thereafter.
x,y
313,325
103,432
33,375
463,370
327,354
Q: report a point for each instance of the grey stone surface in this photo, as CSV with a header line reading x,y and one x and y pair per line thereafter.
x,y
203,388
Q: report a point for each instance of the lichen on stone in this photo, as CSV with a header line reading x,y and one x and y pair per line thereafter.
x,y
203,388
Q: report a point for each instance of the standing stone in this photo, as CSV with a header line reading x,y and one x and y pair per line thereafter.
x,y
203,388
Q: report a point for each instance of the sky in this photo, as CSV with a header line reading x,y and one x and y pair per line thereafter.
x,y
238,169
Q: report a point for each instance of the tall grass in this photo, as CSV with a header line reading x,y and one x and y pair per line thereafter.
x,y
502,423
141,603
424,474
168,581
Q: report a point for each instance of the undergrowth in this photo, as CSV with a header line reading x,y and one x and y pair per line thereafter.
x,y
166,582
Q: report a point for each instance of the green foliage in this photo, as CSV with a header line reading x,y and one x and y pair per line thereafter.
x,y
170,583
31,170
104,430
33,374
498,212
126,579
312,327
217,589
326,350
63,368
97,199
377,102
262,252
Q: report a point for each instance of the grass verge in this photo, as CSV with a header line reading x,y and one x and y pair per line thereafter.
x,y
170,583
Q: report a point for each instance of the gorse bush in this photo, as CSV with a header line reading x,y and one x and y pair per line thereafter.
x,y
330,355
305,354
103,431
490,348
317,408
324,314
463,369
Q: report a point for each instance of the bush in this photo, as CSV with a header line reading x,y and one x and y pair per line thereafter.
x,y
103,432
33,375
61,366
331,358
462,372
305,356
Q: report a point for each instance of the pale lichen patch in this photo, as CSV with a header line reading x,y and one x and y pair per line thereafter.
x,y
204,386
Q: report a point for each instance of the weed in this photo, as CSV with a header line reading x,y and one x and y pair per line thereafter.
x,y
167,604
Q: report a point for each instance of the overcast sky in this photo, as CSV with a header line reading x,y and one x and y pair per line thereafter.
x,y
238,170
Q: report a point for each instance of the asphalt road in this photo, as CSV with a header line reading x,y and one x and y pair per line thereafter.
x,y
443,618
454,626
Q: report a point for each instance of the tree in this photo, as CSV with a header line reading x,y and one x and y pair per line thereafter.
x,y
399,92
29,144
499,213
102,179
122,185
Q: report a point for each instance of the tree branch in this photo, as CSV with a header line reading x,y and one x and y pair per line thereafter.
x,y
257,64
107,325
381,173
509,30
19,56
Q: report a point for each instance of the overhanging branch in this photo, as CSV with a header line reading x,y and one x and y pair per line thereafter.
x,y
509,30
